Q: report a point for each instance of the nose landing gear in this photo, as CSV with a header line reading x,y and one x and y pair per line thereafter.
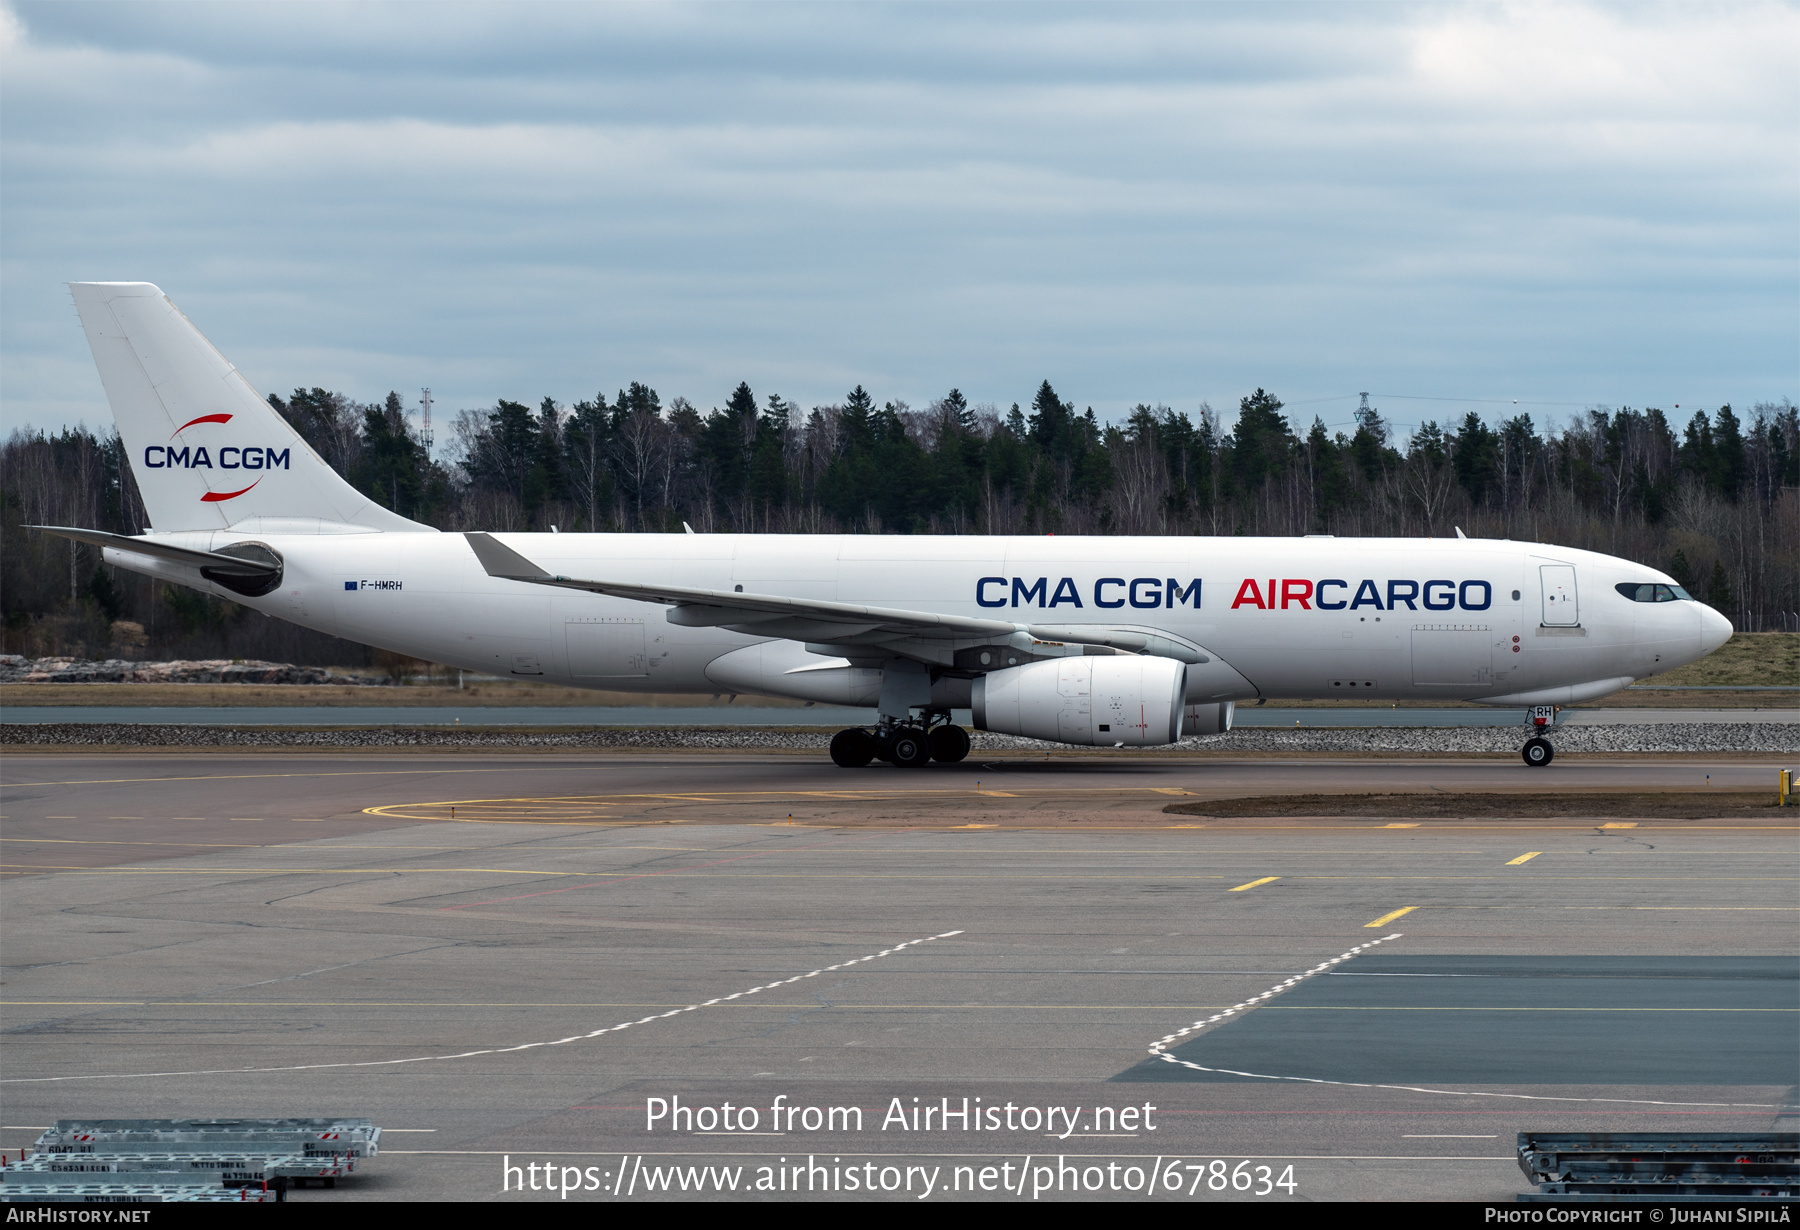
x,y
1537,751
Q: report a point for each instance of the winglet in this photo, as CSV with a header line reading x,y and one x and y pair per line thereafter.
x,y
501,560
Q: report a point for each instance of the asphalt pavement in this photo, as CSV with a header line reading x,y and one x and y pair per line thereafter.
x,y
544,980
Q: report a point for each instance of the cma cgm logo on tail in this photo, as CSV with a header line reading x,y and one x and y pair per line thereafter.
x,y
1108,593
1337,596
229,457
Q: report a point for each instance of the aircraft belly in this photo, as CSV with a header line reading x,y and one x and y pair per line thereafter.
x,y
1374,662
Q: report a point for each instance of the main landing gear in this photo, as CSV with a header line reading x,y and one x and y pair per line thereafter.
x,y
1537,751
908,745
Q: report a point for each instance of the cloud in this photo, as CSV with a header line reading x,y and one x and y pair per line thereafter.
x,y
1140,203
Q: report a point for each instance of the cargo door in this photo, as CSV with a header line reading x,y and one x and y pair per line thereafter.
x,y
1453,656
606,648
1562,608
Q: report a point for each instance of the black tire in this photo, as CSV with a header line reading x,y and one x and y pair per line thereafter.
x,y
1537,752
908,748
949,744
852,749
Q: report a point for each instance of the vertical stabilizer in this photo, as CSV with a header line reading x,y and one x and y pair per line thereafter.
x,y
207,451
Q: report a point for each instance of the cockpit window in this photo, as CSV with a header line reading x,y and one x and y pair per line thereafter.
x,y
1652,592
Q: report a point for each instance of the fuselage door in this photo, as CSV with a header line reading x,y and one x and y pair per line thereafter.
x,y
606,648
1453,655
1561,607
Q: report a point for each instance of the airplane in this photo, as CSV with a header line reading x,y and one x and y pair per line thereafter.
x,y
1086,641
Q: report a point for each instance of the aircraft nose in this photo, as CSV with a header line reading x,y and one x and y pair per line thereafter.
x,y
1715,629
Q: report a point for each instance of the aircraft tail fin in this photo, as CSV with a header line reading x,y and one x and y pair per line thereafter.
x,y
207,451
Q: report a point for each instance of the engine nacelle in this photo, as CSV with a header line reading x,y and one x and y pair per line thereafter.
x,y
1095,701
1210,719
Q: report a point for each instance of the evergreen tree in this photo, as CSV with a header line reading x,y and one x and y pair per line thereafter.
x,y
1730,466
1477,459
856,421
1330,476
768,461
390,470
1682,571
958,413
503,454
954,469
1051,425
547,480
585,459
1261,442
1718,589
105,594
1698,454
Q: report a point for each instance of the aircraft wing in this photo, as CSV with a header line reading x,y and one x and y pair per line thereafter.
x,y
763,614
914,634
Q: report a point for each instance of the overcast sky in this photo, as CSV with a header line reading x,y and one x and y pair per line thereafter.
x,y
1566,205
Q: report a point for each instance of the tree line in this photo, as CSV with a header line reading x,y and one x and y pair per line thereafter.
x,y
1713,500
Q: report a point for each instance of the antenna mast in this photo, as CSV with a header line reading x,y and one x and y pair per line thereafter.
x,y
425,419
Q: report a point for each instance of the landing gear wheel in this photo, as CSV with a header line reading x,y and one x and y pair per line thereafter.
x,y
949,744
1537,752
908,748
852,749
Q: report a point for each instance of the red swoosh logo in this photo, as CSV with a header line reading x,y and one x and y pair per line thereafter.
x,y
213,497
205,418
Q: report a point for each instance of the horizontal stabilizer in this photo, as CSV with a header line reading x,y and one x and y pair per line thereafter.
x,y
231,565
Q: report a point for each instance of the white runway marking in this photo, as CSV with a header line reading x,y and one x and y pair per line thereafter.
x,y
494,1050
1159,1048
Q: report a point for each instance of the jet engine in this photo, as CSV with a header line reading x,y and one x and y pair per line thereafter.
x,y
1098,701
1209,719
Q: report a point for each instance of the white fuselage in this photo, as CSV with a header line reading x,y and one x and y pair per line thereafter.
x,y
1381,619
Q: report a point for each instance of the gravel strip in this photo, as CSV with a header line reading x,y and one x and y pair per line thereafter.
x,y
1662,737
16,669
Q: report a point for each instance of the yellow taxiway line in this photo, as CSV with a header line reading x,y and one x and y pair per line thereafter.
x,y
1385,919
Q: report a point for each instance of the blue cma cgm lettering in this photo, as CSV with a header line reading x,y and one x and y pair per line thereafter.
x,y
1108,593
163,457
